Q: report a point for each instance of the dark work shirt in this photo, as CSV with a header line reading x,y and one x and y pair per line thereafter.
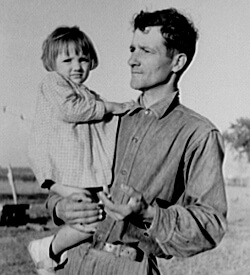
x,y
174,157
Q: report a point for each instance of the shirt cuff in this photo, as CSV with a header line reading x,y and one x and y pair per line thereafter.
x,y
161,229
55,218
150,227
100,109
51,203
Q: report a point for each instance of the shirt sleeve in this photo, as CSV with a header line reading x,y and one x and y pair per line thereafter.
x,y
51,202
71,103
198,221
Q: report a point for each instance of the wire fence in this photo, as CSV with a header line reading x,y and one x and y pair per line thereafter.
x,y
10,110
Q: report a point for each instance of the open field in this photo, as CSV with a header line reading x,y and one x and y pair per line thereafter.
x,y
232,257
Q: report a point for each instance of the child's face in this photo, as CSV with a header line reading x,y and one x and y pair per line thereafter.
x,y
74,67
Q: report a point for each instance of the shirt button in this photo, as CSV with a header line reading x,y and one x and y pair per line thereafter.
x,y
134,139
147,112
124,172
99,237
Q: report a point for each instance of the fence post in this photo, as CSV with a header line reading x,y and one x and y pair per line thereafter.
x,y
12,183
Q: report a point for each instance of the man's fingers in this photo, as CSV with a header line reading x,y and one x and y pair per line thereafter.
x,y
87,216
128,190
106,200
86,220
134,201
116,211
78,211
135,196
117,208
81,197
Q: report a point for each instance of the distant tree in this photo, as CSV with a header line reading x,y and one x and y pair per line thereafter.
x,y
238,137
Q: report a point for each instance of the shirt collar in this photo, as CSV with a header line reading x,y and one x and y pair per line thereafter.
x,y
160,108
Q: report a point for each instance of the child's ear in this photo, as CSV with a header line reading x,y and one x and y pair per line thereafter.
x,y
179,62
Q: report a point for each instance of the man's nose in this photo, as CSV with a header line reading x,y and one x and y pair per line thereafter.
x,y
133,59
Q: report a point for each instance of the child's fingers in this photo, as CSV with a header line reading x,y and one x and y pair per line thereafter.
x,y
128,105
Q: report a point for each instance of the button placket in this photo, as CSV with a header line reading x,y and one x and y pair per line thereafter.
x,y
124,172
130,154
134,145
142,123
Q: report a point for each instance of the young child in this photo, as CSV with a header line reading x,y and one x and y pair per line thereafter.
x,y
73,135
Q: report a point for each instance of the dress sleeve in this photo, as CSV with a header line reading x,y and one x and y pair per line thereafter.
x,y
71,103
198,221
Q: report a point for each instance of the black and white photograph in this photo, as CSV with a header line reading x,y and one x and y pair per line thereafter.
x,y
124,137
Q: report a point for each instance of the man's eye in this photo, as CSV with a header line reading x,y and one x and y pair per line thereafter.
x,y
146,50
131,49
67,60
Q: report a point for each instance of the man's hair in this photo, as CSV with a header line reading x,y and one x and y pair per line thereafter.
x,y
178,31
61,39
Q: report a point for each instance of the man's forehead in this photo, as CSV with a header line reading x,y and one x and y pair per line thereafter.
x,y
150,35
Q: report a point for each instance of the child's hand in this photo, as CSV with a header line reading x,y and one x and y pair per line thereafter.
x,y
118,108
128,105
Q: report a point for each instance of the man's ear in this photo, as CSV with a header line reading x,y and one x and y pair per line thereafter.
x,y
179,62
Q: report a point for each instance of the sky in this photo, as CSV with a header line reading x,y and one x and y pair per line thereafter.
x,y
217,84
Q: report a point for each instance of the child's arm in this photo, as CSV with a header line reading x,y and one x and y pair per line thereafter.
x,y
71,103
118,108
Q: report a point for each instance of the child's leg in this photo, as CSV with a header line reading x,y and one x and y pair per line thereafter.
x,y
68,237
48,253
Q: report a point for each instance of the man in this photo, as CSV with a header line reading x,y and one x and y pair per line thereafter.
x,y
168,195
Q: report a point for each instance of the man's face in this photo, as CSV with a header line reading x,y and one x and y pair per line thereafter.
x,y
74,66
150,66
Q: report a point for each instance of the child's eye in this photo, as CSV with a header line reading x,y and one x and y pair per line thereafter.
x,y
67,60
84,59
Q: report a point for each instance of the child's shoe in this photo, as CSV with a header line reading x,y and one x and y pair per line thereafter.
x,y
39,252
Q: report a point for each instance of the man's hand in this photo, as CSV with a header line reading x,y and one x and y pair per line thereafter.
x,y
78,209
136,206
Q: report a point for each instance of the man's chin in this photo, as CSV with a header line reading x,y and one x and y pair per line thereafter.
x,y
135,86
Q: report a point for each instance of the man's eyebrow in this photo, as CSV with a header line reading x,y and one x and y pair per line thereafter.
x,y
144,47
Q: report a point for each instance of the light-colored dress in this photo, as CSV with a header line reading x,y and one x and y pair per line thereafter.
x,y
72,140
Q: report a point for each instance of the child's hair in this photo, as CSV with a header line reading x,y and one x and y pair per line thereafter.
x,y
60,39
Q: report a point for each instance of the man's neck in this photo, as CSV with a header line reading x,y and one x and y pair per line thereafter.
x,y
160,92
152,96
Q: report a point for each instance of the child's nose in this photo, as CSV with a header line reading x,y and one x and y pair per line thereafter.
x,y
77,65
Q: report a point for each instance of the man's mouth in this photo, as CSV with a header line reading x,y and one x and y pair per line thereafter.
x,y
76,75
136,72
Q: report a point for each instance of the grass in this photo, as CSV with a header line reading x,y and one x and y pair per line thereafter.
x,y
231,257
14,258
